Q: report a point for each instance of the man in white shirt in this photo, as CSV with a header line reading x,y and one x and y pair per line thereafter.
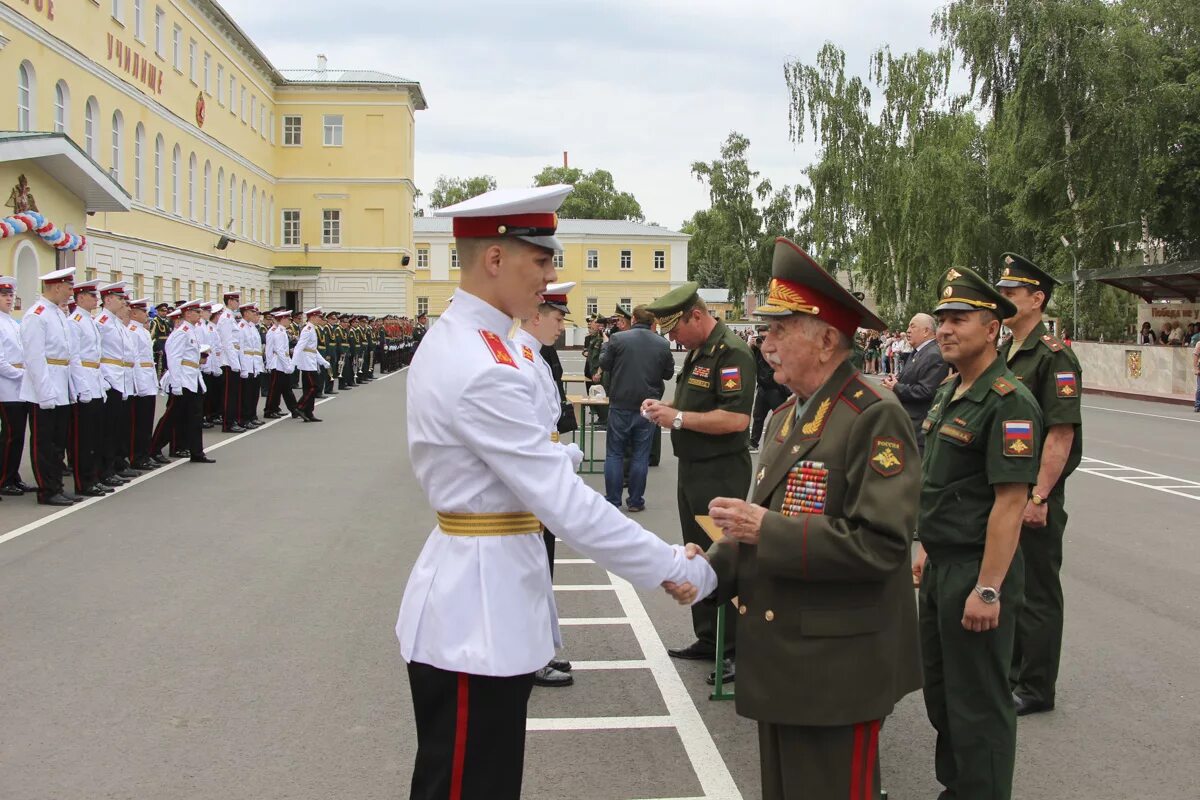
x,y
230,349
310,363
87,395
252,364
279,364
13,412
145,386
180,422
45,385
116,366
210,368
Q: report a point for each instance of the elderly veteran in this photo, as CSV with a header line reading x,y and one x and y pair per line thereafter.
x,y
819,559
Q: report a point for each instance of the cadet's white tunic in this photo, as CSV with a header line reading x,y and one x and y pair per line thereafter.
x,y
87,384
277,357
251,342
230,350
116,358
182,353
145,381
306,356
12,359
484,604
46,343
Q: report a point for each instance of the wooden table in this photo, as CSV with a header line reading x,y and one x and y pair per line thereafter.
x,y
587,432
573,378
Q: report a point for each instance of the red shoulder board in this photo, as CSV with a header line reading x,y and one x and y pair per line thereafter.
x,y
525,351
499,351
1053,343
78,317
103,319
38,311
1002,387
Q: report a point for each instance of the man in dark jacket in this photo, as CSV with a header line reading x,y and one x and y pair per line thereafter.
x,y
770,395
920,377
638,361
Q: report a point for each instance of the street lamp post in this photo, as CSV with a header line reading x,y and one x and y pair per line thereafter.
x,y
1075,334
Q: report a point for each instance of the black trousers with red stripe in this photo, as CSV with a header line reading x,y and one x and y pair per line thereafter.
x,y
309,385
214,397
167,430
114,440
279,387
231,406
87,425
48,433
141,427
470,734
819,763
250,389
12,440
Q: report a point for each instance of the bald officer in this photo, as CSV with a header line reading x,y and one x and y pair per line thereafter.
x,y
478,616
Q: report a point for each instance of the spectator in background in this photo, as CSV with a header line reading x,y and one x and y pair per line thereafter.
x,y
885,352
895,349
770,395
638,362
871,353
921,377
1146,335
1195,338
1196,369
1175,337
1164,335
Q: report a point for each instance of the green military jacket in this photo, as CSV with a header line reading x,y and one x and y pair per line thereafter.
x,y
992,434
719,374
827,625
1052,373
324,342
593,343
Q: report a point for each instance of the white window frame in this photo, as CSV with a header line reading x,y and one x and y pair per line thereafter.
x,y
177,48
118,11
592,307
253,112
254,214
192,61
262,120
220,84
191,187
176,157
139,161
219,194
139,20
271,125
208,73
26,97
293,135
626,303
160,20
422,258
243,96
91,116
290,225
331,227
626,260
62,107
422,305
453,257
660,259
232,93
558,260
118,146
205,200
160,154
333,132
593,259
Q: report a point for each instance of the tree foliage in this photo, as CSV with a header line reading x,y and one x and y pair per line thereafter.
x,y
448,191
595,196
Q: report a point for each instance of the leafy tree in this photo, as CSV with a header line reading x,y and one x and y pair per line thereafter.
x,y
448,191
595,196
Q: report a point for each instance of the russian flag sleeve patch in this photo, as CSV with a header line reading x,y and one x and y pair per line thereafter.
x,y
1018,438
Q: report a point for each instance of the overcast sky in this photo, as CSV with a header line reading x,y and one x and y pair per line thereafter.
x,y
642,88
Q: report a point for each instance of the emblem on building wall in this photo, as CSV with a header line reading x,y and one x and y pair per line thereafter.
x,y
21,198
1133,363
200,109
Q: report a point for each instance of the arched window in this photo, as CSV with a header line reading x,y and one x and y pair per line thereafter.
x,y
192,186
254,214
118,138
207,192
233,215
160,153
219,190
139,157
175,156
62,107
26,97
91,117
245,226
262,219
271,223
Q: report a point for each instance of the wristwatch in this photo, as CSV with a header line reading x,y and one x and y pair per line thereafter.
x,y
987,594
1037,499
677,423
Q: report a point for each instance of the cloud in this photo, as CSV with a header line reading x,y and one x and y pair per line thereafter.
x,y
641,88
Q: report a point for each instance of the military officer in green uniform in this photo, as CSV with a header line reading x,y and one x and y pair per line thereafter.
x,y
983,436
593,344
327,347
1052,373
819,559
708,420
160,329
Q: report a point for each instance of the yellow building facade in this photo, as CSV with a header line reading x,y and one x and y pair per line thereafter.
x,y
293,187
611,261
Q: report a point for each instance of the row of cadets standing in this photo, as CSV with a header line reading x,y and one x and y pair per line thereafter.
x,y
182,419
311,364
278,360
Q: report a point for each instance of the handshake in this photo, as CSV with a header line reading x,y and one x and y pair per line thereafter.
x,y
685,593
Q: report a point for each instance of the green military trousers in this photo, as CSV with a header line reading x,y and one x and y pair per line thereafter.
x,y
1040,626
967,694
699,483
819,763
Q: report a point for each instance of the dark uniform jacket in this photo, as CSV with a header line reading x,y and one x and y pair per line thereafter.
x,y
719,374
827,627
639,361
918,383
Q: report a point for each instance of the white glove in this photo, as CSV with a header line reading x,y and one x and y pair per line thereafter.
x,y
575,453
244,374
46,406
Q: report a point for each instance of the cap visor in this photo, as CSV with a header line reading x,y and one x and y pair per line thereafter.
x,y
769,310
952,306
1012,284
548,242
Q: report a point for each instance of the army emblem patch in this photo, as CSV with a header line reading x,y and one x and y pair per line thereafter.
x,y
731,379
953,275
948,291
887,456
1066,384
496,346
1018,438
525,351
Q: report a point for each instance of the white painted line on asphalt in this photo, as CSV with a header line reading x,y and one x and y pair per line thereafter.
x,y
572,560
697,741
1142,414
597,723
594,621
633,663
1139,478
582,587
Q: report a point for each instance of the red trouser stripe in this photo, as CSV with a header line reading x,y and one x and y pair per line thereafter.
x,y
75,447
132,425
872,753
460,736
856,770
6,444
37,473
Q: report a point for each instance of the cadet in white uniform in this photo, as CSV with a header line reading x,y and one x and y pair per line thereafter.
x,y
45,386
116,368
13,412
478,616
279,365
87,395
231,365
252,364
181,420
310,362
145,386
210,368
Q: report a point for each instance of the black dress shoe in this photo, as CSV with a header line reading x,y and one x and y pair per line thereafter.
x,y
202,459
11,490
1027,705
272,415
235,429
160,458
297,415
550,677
92,491
24,487
730,673
100,487
181,454
559,664
145,465
113,481
129,473
206,425
56,500
696,651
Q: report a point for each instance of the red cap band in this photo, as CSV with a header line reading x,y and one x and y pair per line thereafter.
x,y
491,227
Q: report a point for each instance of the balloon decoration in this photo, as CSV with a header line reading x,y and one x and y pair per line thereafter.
x,y
34,221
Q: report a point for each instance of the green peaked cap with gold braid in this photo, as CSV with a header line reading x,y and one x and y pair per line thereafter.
x,y
961,289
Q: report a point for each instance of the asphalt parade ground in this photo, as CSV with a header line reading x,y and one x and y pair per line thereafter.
x,y
227,631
